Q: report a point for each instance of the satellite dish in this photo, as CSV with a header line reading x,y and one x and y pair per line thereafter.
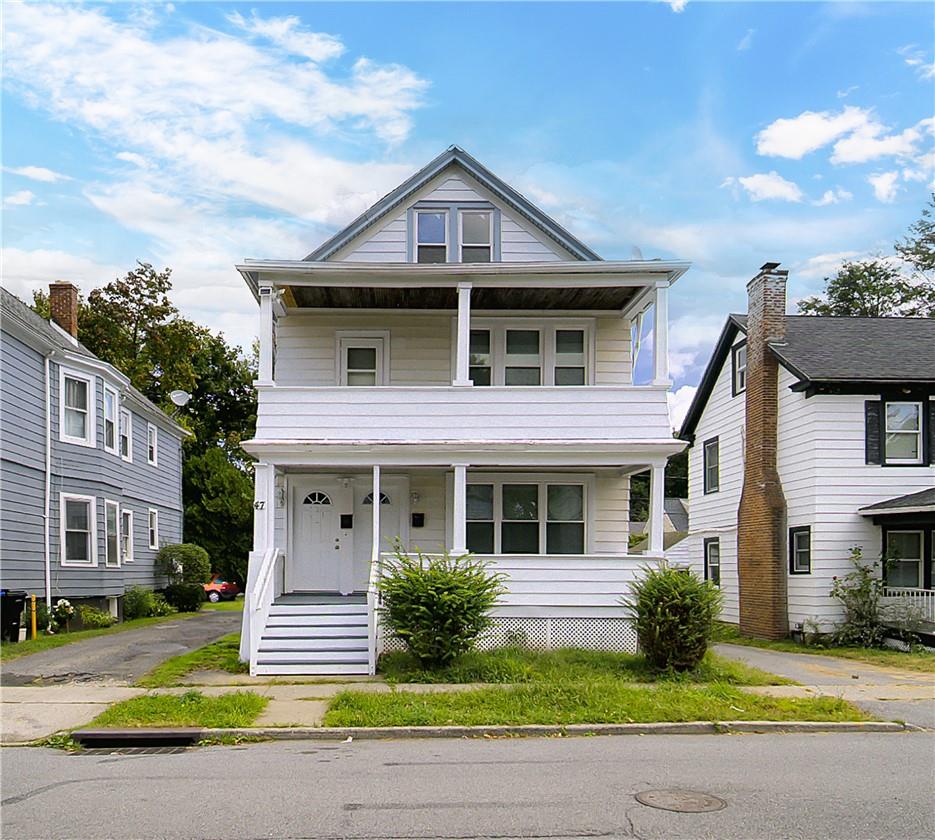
x,y
180,398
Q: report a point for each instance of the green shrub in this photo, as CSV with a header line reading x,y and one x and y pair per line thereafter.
x,y
93,619
161,606
185,597
137,603
438,605
675,615
859,593
184,563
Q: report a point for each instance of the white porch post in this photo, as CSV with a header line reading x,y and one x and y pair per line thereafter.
x,y
264,513
462,359
657,486
459,510
375,548
661,337
267,293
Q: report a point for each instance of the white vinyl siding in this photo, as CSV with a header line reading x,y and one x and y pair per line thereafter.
x,y
77,408
78,530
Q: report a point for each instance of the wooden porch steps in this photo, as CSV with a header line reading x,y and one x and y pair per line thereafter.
x,y
314,635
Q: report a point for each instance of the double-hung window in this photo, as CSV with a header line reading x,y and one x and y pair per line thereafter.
x,y
480,523
904,551
78,530
481,359
800,550
111,412
476,229
126,434
903,433
519,525
153,528
570,367
431,236
77,408
712,561
111,534
739,368
523,358
152,445
564,528
126,536
712,477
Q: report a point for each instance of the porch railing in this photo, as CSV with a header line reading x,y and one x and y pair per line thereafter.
x,y
261,599
921,600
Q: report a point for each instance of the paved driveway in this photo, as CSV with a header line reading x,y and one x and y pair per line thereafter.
x,y
888,693
120,657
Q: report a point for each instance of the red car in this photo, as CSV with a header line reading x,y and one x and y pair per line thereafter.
x,y
218,589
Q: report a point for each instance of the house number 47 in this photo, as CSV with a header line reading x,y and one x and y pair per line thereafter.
x,y
259,505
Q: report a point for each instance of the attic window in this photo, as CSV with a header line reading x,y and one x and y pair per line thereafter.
x,y
476,236
432,236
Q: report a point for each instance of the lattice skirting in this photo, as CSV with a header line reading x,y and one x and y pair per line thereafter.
x,y
616,634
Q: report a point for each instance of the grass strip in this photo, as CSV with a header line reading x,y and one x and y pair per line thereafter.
x,y
593,702
15,650
222,655
238,708
235,605
915,660
520,665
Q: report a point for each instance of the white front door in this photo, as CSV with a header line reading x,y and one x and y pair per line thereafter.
x,y
394,516
320,546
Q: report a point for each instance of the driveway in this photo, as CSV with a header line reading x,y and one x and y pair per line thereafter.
x,y
120,657
887,693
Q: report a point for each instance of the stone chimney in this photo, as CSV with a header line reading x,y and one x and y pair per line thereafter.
x,y
761,519
63,304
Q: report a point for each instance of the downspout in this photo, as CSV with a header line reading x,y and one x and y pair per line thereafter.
x,y
48,482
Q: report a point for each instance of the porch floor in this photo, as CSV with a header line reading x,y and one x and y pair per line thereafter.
x,y
321,598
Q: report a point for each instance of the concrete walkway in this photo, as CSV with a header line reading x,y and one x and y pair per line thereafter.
x,y
885,692
120,658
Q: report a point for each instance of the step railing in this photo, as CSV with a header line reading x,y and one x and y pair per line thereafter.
x,y
922,601
261,600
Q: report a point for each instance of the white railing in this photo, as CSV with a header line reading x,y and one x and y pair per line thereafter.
x,y
374,601
261,599
921,600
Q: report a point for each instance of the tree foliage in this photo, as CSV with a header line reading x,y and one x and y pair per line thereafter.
x,y
918,248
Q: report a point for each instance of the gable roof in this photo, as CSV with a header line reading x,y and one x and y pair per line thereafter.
x,y
454,155
13,310
827,351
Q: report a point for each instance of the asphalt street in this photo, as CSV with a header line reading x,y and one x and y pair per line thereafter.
x,y
849,786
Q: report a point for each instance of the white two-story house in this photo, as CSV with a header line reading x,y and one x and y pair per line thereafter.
x,y
811,436
452,371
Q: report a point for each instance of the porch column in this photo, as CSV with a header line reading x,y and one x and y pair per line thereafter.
x,y
462,358
661,337
459,510
264,513
375,549
657,486
267,294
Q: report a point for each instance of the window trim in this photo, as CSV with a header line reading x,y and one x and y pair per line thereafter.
x,y
90,438
153,529
466,211
542,481
110,503
380,340
735,389
92,522
793,550
152,429
109,390
708,488
415,234
920,562
126,534
920,434
708,543
128,429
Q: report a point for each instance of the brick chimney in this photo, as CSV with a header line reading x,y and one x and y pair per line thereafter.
x,y
63,304
761,519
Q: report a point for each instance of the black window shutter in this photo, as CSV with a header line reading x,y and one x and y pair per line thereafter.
x,y
873,411
931,431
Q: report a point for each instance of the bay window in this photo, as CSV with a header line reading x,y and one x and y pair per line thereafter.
x,y
111,534
111,407
126,435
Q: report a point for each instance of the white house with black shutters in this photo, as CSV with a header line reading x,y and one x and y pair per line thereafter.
x,y
853,452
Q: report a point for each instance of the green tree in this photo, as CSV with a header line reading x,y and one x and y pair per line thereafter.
x,y
918,248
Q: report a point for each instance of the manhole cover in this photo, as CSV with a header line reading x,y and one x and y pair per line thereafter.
x,y
683,801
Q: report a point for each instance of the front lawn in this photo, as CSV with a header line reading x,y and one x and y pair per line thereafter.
x,y
236,605
521,665
239,708
10,651
222,655
920,660
596,701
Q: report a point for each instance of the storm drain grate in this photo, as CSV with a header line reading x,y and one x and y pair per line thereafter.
x,y
133,751
682,801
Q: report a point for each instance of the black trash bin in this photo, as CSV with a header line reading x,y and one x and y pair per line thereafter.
x,y
12,603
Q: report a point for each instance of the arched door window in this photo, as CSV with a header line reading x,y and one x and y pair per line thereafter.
x,y
384,499
316,497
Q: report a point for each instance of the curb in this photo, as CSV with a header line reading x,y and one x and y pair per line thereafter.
x,y
344,733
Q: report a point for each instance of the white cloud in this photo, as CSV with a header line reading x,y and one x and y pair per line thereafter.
x,y
885,186
747,41
677,6
822,265
288,33
768,186
795,137
134,158
680,401
835,196
37,173
27,270
870,142
918,60
843,94
19,199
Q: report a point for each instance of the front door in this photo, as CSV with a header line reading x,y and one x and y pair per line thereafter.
x,y
394,500
320,545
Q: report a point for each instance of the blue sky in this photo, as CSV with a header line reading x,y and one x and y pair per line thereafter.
x,y
194,134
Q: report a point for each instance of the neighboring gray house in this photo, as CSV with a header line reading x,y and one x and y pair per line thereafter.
x,y
92,483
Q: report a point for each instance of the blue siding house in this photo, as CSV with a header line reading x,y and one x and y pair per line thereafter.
x,y
90,470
